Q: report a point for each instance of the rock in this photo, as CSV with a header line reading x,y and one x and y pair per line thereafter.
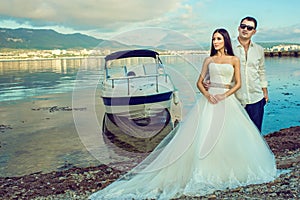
x,y
211,197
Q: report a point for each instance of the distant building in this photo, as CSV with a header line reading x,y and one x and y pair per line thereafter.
x,y
285,47
56,52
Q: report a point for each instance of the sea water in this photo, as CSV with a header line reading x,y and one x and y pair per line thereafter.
x,y
27,80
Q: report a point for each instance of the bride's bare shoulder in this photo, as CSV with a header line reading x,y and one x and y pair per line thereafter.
x,y
235,59
208,59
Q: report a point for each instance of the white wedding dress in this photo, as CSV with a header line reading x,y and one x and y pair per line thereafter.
x,y
216,147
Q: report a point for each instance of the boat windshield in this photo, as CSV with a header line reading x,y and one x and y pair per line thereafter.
x,y
121,68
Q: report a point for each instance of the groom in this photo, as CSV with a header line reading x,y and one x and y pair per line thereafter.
x,y
253,93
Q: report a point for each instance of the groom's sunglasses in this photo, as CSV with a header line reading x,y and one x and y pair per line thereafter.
x,y
249,28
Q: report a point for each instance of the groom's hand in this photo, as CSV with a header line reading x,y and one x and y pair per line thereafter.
x,y
206,84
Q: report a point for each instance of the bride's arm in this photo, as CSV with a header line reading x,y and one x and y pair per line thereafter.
x,y
237,80
200,84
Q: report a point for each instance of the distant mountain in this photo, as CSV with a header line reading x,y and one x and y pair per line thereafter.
x,y
23,38
41,39
265,45
272,44
176,41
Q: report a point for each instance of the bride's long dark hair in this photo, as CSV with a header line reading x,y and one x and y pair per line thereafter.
x,y
227,43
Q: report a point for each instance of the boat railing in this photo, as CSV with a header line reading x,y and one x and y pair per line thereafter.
x,y
113,79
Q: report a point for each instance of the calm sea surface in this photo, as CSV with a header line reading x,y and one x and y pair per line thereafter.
x,y
27,80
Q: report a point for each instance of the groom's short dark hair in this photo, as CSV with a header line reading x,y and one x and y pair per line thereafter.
x,y
252,19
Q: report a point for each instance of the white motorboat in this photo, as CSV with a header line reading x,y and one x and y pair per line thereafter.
x,y
138,94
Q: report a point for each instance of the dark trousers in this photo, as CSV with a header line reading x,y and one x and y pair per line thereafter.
x,y
256,112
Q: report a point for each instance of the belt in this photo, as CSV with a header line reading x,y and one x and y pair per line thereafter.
x,y
219,85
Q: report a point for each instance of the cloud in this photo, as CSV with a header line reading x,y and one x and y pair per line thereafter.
x,y
286,34
297,30
106,18
105,14
157,37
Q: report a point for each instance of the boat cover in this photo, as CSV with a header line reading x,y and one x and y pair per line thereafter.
x,y
131,53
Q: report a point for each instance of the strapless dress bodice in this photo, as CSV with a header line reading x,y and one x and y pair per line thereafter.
x,y
221,73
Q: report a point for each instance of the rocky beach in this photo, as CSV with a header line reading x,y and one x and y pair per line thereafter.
x,y
80,182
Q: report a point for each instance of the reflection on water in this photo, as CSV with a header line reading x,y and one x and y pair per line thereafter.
x,y
27,78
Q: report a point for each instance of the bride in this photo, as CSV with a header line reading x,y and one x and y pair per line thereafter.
x,y
216,147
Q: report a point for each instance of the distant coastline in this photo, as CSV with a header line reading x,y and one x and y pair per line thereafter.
x,y
282,53
27,55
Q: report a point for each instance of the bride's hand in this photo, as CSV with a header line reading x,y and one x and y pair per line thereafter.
x,y
220,97
211,99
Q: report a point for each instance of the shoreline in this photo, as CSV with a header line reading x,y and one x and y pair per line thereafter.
x,y
54,58
80,182
268,54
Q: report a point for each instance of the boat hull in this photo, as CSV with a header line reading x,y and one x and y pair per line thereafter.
x,y
133,105
136,135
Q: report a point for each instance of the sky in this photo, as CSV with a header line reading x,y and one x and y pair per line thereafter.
x,y
132,20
